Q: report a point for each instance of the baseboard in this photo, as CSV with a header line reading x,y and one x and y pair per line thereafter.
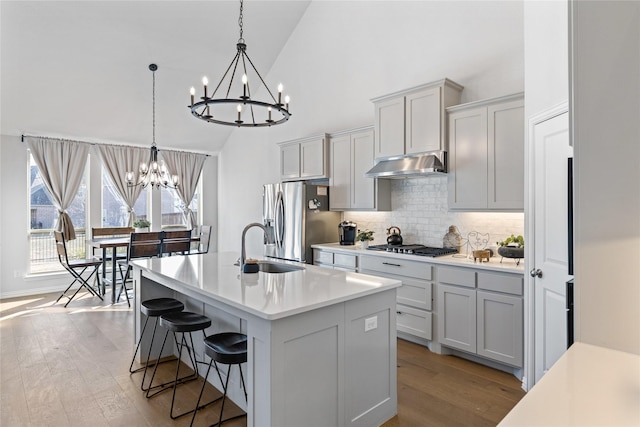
x,y
32,292
516,372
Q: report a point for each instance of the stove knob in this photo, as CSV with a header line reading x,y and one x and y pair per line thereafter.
x,y
409,251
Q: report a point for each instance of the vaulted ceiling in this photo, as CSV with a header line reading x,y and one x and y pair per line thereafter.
x,y
79,69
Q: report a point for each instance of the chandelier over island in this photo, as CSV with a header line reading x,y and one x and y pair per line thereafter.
x,y
154,173
243,110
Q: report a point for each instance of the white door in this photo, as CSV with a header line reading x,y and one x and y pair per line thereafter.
x,y
551,149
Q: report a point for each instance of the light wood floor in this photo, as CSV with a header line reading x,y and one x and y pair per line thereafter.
x,y
69,367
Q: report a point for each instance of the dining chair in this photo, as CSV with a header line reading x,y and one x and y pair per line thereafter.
x,y
141,245
204,234
109,232
76,267
176,242
98,233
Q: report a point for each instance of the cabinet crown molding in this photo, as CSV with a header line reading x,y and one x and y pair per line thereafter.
x,y
484,102
307,138
350,131
441,82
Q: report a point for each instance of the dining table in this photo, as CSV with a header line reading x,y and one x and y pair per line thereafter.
x,y
114,243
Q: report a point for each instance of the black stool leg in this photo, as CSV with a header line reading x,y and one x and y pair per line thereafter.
x,y
224,396
144,328
204,383
174,383
146,364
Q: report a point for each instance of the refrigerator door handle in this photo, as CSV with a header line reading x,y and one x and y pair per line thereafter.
x,y
279,220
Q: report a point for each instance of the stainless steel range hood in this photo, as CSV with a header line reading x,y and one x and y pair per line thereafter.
x,y
410,166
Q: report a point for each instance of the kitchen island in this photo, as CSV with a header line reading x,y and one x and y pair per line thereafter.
x,y
321,343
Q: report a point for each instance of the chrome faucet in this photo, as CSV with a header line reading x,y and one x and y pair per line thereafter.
x,y
243,254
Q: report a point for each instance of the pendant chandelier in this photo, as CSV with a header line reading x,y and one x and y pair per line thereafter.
x,y
154,173
242,111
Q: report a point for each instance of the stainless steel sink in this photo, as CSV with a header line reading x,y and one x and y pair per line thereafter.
x,y
272,267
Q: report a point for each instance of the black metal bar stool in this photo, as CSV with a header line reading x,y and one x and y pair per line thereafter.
x,y
153,308
228,348
183,322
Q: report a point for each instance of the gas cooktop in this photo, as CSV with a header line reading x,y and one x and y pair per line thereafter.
x,y
420,250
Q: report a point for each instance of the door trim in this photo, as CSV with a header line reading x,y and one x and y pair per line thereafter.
x,y
528,380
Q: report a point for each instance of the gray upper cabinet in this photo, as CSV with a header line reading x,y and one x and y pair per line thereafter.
x,y
486,155
306,158
352,154
413,120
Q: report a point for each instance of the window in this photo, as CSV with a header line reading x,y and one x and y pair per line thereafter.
x,y
114,211
43,215
172,207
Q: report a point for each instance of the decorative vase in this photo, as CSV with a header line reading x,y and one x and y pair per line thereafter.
x,y
452,239
364,244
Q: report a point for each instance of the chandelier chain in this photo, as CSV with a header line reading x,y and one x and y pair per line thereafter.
x,y
240,21
153,141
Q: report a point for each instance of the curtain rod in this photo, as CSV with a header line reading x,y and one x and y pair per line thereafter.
x,y
22,137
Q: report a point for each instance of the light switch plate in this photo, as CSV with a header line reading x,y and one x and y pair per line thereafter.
x,y
370,323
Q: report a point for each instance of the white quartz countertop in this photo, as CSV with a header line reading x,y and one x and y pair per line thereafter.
x,y
587,386
507,265
267,295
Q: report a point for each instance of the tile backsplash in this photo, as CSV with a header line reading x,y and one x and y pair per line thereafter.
x,y
420,210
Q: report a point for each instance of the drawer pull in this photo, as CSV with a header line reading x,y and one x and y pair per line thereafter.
x,y
394,265
398,312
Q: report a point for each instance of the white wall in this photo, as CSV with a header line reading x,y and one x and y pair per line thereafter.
x,y
14,265
342,54
606,119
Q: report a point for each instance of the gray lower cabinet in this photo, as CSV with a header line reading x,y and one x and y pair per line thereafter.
x,y
414,298
335,260
457,317
500,327
481,313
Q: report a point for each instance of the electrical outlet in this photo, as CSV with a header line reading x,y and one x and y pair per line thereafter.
x,y
16,274
370,323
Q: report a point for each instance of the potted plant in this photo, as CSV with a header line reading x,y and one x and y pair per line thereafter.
x,y
141,225
512,247
364,237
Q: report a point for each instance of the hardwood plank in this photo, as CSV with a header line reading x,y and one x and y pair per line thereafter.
x,y
73,365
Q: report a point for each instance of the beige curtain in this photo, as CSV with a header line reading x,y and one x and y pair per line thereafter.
x,y
61,164
188,167
117,161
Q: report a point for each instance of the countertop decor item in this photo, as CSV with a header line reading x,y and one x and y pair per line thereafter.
x,y
155,173
482,254
394,235
364,237
222,110
452,239
512,247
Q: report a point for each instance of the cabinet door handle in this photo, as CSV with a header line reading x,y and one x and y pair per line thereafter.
x,y
398,312
389,263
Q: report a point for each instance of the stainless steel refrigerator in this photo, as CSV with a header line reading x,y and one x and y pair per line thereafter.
x,y
297,214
